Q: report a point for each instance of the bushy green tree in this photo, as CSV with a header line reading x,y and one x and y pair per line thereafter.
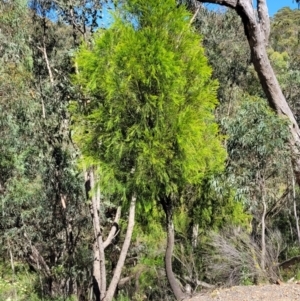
x,y
152,103
149,119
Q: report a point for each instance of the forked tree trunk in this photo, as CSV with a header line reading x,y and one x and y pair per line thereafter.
x,y
99,269
117,274
174,283
257,27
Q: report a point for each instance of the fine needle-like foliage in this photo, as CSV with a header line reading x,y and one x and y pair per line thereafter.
x,y
148,120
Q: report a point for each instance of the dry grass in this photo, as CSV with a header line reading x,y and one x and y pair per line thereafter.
x,y
234,258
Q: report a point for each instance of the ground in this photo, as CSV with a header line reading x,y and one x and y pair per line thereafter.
x,y
275,292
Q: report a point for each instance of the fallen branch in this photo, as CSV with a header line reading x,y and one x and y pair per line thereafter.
x,y
287,263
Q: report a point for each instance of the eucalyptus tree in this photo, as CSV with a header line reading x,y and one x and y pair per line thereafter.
x,y
41,193
82,15
259,159
284,40
257,30
229,57
148,121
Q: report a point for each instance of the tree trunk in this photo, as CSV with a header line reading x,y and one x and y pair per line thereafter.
x,y
12,270
174,283
257,26
117,274
263,234
195,235
99,271
295,210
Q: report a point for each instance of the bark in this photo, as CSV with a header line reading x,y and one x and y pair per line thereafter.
x,y
174,283
117,274
123,281
263,234
36,260
99,271
257,27
114,229
263,15
195,235
295,210
44,51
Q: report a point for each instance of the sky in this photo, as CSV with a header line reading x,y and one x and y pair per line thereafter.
x,y
275,5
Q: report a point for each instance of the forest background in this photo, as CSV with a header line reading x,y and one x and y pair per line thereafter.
x,y
136,176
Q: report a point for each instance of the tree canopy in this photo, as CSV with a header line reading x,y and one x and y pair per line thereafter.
x,y
149,121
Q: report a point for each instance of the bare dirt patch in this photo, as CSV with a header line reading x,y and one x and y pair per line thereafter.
x,y
283,292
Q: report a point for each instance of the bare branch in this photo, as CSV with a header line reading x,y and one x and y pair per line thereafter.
x,y
124,280
195,15
228,3
113,230
286,264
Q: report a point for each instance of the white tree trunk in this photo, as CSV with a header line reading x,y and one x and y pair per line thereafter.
x,y
117,274
99,271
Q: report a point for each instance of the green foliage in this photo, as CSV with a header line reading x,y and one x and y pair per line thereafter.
x,y
36,156
147,118
257,135
82,15
18,285
285,54
148,245
217,206
150,120
259,156
229,55
122,297
285,31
